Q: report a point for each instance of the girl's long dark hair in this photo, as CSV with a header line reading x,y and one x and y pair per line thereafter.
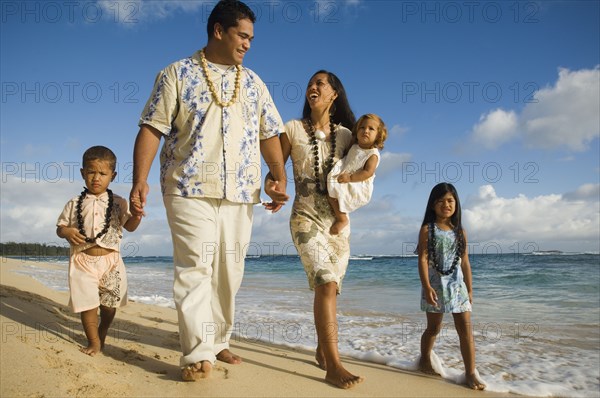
x,y
438,192
342,113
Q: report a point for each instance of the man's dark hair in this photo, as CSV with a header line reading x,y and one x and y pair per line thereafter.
x,y
227,13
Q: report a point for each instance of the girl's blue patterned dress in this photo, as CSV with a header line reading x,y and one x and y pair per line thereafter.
x,y
451,289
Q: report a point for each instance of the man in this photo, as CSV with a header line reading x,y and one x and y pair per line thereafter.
x,y
216,117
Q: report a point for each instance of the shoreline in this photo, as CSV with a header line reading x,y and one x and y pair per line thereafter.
x,y
40,356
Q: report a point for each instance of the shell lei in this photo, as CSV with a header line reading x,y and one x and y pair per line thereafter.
x,y
211,86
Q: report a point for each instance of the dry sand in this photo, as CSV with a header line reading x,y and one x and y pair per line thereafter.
x,y
40,357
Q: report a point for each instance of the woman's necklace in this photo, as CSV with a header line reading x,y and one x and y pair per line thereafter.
x,y
432,253
107,215
211,87
315,149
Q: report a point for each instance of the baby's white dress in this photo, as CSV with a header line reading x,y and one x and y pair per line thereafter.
x,y
352,195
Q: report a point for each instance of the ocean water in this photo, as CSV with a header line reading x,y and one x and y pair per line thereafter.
x,y
536,317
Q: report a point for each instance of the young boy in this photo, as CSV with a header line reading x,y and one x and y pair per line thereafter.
x,y
92,223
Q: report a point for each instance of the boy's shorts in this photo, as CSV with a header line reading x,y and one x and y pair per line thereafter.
x,y
97,280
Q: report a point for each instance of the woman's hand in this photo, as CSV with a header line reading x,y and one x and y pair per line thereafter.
x,y
276,192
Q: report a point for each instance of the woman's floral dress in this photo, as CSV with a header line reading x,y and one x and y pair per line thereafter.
x,y
324,256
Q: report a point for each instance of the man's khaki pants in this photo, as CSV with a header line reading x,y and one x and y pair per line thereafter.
x,y
210,240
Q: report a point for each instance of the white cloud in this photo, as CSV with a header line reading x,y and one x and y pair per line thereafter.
x,y
379,228
391,162
32,151
398,130
568,221
130,12
587,192
545,222
30,209
565,115
495,128
562,116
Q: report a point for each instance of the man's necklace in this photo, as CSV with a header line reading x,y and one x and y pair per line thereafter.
x,y
211,86
315,150
107,215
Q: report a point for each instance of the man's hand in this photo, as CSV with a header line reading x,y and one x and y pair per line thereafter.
x,y
277,193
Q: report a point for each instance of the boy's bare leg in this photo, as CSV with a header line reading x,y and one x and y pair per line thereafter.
x,y
341,219
89,320
325,306
107,315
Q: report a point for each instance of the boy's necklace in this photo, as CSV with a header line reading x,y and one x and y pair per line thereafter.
x,y
432,253
107,215
315,150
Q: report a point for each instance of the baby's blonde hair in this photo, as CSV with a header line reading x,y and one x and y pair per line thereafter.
x,y
381,129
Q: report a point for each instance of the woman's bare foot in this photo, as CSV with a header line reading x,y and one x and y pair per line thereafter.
x,y
228,357
338,226
93,348
425,366
474,383
320,357
341,378
196,371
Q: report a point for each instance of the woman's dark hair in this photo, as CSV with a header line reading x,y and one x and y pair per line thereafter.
x,y
342,113
438,192
227,13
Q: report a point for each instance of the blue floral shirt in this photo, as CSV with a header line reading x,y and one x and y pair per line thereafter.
x,y
211,151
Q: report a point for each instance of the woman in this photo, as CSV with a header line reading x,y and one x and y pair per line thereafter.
x,y
315,143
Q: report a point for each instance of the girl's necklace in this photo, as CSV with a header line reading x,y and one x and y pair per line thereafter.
x,y
107,215
211,87
432,253
315,149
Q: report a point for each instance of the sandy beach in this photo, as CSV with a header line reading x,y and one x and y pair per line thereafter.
x,y
40,357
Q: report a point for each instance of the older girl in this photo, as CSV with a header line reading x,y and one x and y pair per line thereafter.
x,y
446,281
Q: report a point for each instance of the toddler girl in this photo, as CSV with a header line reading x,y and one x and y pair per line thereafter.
x,y
350,182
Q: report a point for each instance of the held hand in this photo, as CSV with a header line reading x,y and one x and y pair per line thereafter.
x,y
344,178
273,206
276,192
137,198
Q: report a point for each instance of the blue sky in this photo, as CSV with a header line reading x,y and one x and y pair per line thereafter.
x,y
500,98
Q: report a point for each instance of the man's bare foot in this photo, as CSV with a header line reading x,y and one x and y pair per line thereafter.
x,y
341,378
338,226
228,357
196,371
320,357
92,349
426,367
474,383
